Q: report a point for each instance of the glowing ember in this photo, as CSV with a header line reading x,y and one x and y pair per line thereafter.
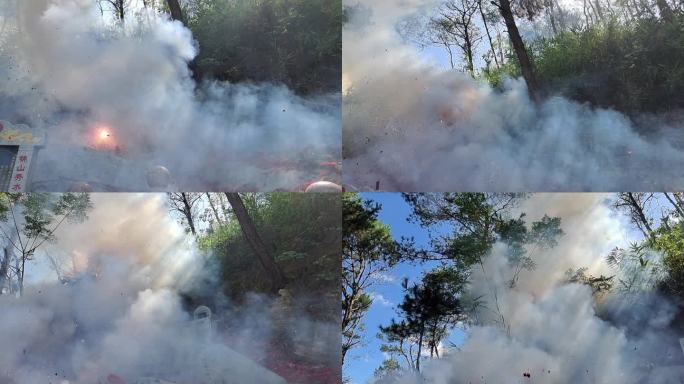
x,y
102,138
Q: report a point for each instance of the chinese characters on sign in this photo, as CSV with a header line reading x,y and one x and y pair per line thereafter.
x,y
18,144
21,165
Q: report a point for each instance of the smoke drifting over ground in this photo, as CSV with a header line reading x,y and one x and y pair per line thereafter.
x,y
117,102
555,331
118,315
411,126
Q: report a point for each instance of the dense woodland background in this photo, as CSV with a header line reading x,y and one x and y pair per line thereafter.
x,y
271,259
621,54
277,244
293,42
280,245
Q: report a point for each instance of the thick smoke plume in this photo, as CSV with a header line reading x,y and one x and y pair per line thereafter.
x,y
546,330
118,101
119,314
409,125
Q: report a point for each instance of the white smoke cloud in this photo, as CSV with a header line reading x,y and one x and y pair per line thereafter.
x,y
413,127
557,332
123,314
70,74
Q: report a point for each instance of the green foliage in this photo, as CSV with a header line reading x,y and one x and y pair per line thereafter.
x,y
670,241
434,300
632,67
366,237
289,255
295,42
367,249
5,205
428,311
44,212
597,284
358,13
302,232
473,217
546,232
656,262
496,75
388,371
477,221
638,267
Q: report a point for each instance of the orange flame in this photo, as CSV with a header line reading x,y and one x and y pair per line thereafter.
x,y
102,138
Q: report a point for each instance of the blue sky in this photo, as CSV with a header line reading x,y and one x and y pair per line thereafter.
x,y
362,361
438,56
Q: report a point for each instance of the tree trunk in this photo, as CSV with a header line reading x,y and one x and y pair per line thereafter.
x,y
120,10
177,14
420,347
187,211
176,11
599,10
520,51
347,326
213,208
4,266
638,210
183,203
451,55
676,206
252,236
678,198
489,36
21,275
469,52
665,11
587,19
552,17
222,203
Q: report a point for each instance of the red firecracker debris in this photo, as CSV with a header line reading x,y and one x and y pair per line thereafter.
x,y
298,372
287,365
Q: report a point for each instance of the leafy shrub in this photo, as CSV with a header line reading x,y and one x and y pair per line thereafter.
x,y
302,232
295,42
632,67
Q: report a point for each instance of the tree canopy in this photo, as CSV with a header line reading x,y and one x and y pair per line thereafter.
x,y
612,54
463,229
30,220
297,43
293,42
368,249
301,233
